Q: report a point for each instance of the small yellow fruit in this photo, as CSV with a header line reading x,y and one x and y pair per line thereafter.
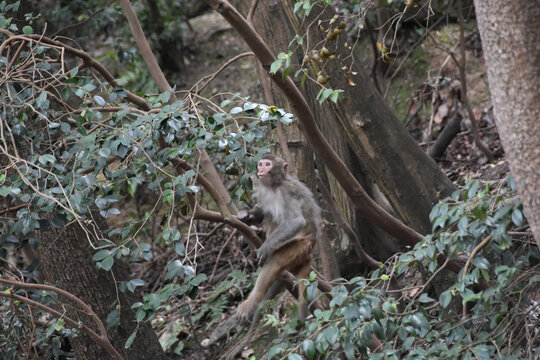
x,y
325,52
322,79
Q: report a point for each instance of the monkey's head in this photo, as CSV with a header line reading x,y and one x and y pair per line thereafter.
x,y
271,170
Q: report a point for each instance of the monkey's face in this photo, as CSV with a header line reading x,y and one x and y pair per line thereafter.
x,y
263,171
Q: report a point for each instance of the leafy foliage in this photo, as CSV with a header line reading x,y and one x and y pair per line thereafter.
x,y
463,322
72,143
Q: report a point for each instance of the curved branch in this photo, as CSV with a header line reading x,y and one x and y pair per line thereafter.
x,y
473,254
88,60
101,339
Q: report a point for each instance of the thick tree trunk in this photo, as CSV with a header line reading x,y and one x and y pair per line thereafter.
x,y
404,173
66,261
510,32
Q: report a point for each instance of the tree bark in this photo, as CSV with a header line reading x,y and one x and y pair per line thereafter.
x,y
510,33
66,261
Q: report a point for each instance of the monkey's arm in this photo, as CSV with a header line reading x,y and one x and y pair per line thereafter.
x,y
283,232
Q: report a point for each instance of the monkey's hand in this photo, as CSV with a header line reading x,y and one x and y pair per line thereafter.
x,y
263,253
250,217
244,216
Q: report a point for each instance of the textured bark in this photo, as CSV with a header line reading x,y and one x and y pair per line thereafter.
x,y
66,261
510,32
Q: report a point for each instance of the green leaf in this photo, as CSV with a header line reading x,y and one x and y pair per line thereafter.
x,y
130,340
27,30
107,263
294,357
276,349
445,298
179,248
137,282
50,330
349,350
42,102
99,100
473,189
4,191
137,305
336,96
483,352
113,318
236,110
175,268
462,226
331,334
44,159
100,255
517,217
152,301
481,263
419,320
65,128
309,348
286,72
471,297
59,325
276,65
200,278
104,152
424,298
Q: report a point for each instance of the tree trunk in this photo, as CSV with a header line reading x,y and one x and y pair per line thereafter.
x,y
510,33
409,179
66,261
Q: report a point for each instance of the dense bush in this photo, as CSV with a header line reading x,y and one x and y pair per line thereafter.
x,y
463,322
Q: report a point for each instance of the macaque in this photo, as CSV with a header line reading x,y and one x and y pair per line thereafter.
x,y
290,217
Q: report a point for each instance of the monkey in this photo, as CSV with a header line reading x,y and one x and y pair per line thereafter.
x,y
291,220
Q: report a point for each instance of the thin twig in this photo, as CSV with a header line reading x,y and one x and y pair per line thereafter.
x,y
463,77
221,252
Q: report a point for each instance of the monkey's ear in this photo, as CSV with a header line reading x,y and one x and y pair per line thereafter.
x,y
285,167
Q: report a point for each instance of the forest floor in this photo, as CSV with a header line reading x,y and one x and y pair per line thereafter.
x,y
411,92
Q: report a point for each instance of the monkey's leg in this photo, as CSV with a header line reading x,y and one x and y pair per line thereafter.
x,y
266,278
290,256
302,274
274,289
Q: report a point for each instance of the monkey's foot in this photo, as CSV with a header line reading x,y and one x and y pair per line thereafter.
x,y
244,311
